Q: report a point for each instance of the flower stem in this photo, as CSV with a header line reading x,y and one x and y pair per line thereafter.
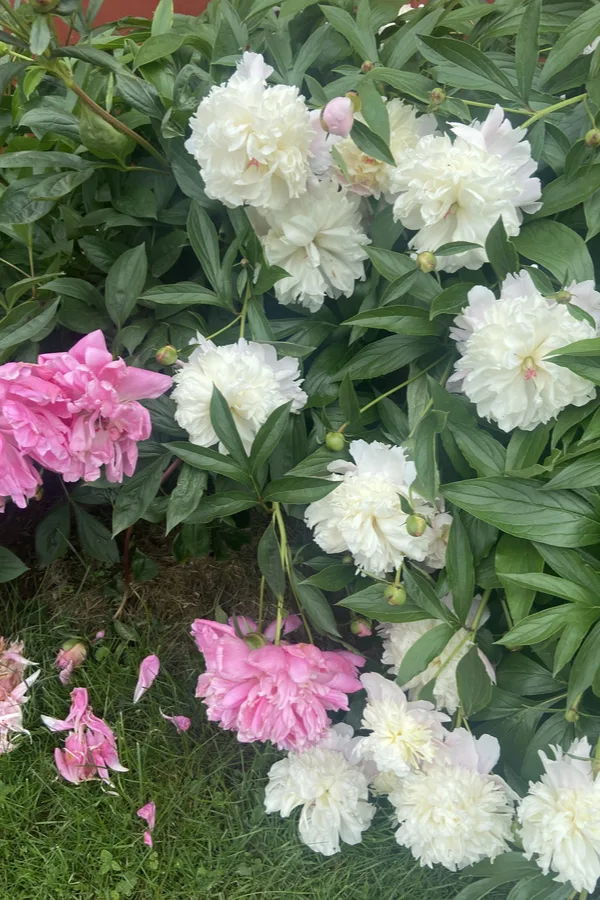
x,y
278,518
221,330
398,387
522,112
261,602
480,610
541,113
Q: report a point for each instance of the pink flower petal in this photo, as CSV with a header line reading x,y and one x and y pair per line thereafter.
x,y
149,668
148,839
148,814
181,723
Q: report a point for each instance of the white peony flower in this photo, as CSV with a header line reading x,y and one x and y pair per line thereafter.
x,y
403,735
319,240
250,377
399,637
364,515
454,812
369,176
560,817
331,789
504,342
457,190
252,141
321,159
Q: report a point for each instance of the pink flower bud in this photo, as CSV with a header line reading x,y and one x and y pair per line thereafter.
x,y
148,671
361,628
338,116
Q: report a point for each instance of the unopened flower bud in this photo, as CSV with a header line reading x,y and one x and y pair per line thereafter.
x,y
563,296
44,6
355,100
338,116
255,640
367,66
347,559
361,628
416,525
167,355
335,440
244,262
572,715
4,48
395,595
437,96
426,261
592,138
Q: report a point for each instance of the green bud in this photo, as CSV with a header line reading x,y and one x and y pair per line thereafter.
x,y
395,595
167,355
4,48
356,102
572,715
437,96
563,296
416,525
592,138
347,559
426,261
335,440
367,66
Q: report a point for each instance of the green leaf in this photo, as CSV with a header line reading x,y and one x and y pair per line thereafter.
x,y
47,159
225,427
138,94
388,355
565,192
10,566
397,319
581,357
184,293
422,652
540,626
425,452
205,243
316,607
571,43
582,473
371,143
459,568
526,47
40,36
18,208
59,185
209,461
359,39
371,602
451,300
162,20
52,535
422,593
374,110
349,401
157,47
556,587
332,578
571,565
13,335
125,282
540,887
94,537
486,455
456,247
585,666
525,447
136,494
399,48
468,57
186,495
269,436
501,252
558,248
517,506
390,264
219,506
290,489
513,557
473,682
269,561
572,637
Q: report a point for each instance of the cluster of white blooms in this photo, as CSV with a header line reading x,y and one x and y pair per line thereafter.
x,y
252,379
456,190
504,343
365,516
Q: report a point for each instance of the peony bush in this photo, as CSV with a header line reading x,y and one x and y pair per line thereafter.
x,y
325,273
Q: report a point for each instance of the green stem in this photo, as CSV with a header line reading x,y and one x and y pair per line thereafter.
x,y
397,388
16,26
480,610
16,268
429,403
243,315
470,632
261,602
583,895
541,113
221,330
31,260
278,518
522,112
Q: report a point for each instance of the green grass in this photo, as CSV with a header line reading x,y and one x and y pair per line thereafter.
x,y
212,840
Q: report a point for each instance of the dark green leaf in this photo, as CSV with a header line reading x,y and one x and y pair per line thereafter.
x,y
269,561
558,248
425,452
459,568
473,682
218,506
332,578
585,665
515,556
468,57
451,300
370,143
486,455
525,447
557,587
390,264
125,282
422,652
298,490
316,607
422,593
209,461
571,43
94,537
226,429
184,293
40,36
157,47
388,355
571,565
362,41
582,473
10,566
564,192
541,625
349,401
526,47
371,602
374,110
186,495
205,243
12,337
501,252
136,495
52,535
269,436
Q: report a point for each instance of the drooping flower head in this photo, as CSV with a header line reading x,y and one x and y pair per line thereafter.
x,y
370,176
90,747
329,786
364,514
252,141
403,735
13,692
456,190
504,343
279,693
453,812
560,817
250,377
319,240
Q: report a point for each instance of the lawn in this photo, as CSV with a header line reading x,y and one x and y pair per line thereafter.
x,y
212,837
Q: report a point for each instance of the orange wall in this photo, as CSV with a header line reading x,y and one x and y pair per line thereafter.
x,y
116,9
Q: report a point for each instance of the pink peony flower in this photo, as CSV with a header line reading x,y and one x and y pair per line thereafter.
x,y
13,692
338,116
149,668
19,480
181,723
71,655
90,748
98,398
148,814
272,693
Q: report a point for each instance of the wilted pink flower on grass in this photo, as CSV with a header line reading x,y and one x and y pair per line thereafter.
x,y
13,692
181,723
148,814
272,693
149,668
90,748
70,656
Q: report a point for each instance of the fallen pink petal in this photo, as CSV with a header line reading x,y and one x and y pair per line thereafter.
x,y
71,655
149,668
148,814
148,839
181,723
